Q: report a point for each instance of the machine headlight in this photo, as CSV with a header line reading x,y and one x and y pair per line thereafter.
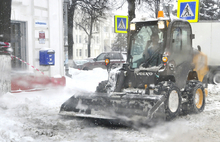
x,y
161,25
165,59
132,27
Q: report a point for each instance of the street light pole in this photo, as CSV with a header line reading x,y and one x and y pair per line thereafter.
x,y
66,36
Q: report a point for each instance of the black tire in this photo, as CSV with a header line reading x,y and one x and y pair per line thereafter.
x,y
216,78
196,97
172,103
101,88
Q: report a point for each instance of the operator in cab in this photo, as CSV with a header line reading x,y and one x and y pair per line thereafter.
x,y
152,50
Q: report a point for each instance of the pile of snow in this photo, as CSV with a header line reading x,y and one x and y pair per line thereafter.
x,y
33,116
86,80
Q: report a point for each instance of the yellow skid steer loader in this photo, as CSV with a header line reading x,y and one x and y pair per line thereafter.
x,y
163,77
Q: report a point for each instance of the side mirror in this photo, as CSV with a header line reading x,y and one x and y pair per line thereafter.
x,y
95,59
192,36
199,48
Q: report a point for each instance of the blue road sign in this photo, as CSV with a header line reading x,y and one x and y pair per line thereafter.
x,y
188,10
121,24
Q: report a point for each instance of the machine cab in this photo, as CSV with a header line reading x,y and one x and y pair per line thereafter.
x,y
147,43
179,42
152,40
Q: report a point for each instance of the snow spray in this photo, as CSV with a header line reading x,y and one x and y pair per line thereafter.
x,y
5,73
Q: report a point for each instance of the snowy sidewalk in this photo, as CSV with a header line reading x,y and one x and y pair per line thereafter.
x,y
33,117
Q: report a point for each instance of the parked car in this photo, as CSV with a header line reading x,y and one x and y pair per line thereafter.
x,y
77,64
116,58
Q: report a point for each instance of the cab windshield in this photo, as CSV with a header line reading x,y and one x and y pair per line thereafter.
x,y
146,45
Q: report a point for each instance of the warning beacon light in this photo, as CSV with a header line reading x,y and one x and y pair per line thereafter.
x,y
161,24
160,14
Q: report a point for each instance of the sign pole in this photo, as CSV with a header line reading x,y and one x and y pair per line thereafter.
x,y
121,24
66,37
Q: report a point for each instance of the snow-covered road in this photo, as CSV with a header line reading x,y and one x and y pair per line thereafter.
x,y
33,117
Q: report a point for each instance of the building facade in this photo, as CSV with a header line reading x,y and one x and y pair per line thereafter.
x,y
102,38
37,25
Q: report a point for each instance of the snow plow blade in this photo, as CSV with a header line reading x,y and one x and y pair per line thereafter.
x,y
125,107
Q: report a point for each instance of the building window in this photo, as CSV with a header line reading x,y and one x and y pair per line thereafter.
x,y
76,38
76,52
75,26
105,29
80,52
97,40
85,39
79,38
86,52
96,28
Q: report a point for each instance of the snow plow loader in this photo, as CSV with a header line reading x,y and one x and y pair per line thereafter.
x,y
164,76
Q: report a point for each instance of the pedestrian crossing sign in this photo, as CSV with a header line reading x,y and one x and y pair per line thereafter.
x,y
188,10
121,24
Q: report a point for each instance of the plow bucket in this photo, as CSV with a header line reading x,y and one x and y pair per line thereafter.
x,y
121,106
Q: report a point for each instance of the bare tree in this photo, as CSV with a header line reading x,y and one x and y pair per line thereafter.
x,y
151,7
71,11
91,12
5,19
209,10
